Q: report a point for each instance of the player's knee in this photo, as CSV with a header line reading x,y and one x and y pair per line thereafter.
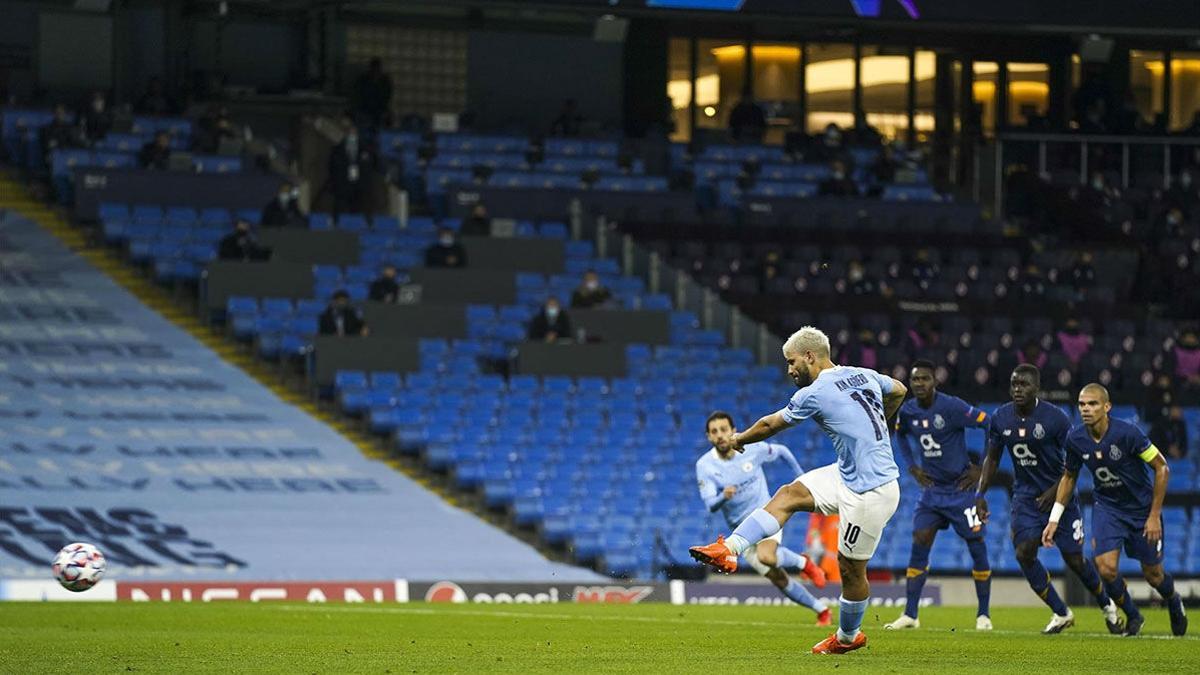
x,y
1075,562
1107,570
923,537
1026,553
791,498
1153,574
768,558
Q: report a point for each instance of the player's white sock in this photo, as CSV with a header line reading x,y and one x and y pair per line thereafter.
x,y
736,543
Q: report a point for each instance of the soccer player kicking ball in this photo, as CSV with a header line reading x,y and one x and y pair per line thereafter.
x,y
946,472
735,485
1034,433
852,406
1128,503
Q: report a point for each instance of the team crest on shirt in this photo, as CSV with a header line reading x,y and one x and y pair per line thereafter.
x,y
748,467
1039,431
1114,452
939,422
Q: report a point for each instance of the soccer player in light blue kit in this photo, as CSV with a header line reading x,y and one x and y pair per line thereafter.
x,y
852,406
735,485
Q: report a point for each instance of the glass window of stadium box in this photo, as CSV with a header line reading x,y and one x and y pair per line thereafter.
x,y
679,88
925,73
1028,93
1146,82
829,85
1185,91
884,77
720,75
983,89
777,87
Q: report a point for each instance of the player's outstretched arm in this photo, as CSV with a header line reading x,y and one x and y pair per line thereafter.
x,y
761,430
1162,473
991,460
780,451
1066,487
893,399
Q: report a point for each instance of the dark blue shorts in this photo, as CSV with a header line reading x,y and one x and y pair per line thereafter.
x,y
1028,522
941,508
1112,530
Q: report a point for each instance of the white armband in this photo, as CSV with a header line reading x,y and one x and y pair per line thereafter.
x,y
1056,512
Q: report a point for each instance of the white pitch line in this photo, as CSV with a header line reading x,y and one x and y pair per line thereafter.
x,y
648,619
515,615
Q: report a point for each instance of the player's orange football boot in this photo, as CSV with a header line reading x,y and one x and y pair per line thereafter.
x,y
716,555
825,618
814,573
832,645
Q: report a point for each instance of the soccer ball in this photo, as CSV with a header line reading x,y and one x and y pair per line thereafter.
x,y
78,567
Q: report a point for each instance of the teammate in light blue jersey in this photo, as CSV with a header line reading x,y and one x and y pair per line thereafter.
x,y
735,485
852,406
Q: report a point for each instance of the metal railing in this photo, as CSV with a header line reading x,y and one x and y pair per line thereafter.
x,y
1084,153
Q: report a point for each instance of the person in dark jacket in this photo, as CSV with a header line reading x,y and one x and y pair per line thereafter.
x,y
59,133
348,163
341,318
839,184
284,209
157,153
373,93
551,323
590,293
95,120
241,244
447,252
479,224
385,288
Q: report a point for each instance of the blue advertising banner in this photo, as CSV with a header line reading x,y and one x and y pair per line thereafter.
x,y
119,429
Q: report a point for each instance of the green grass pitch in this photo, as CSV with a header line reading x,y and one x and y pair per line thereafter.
x,y
421,638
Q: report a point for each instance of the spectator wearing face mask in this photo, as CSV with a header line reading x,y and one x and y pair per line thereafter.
x,y
828,146
550,324
341,318
348,163
839,184
241,244
284,209
385,288
95,120
591,293
447,252
479,224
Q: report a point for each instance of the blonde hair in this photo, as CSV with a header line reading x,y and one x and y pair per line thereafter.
x,y
807,339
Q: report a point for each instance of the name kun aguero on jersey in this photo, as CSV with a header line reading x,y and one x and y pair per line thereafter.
x,y
856,380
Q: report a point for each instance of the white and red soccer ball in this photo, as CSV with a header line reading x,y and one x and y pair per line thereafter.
x,y
78,566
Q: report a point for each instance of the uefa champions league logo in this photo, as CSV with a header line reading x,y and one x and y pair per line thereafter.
x,y
1039,431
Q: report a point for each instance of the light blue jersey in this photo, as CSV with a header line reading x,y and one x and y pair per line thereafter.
x,y
847,403
744,472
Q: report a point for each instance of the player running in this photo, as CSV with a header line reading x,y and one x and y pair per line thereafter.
x,y
852,406
947,472
1128,510
737,486
1034,433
